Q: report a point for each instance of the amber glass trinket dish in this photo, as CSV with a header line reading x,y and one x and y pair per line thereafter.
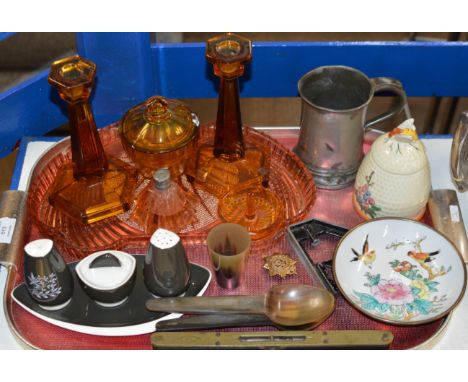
x,y
255,207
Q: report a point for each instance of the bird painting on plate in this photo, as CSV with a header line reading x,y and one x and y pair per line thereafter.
x,y
424,259
366,256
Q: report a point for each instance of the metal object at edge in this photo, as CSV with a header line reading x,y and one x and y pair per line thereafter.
x,y
447,218
331,339
12,206
459,155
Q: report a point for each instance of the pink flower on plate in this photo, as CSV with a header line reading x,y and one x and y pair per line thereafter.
x,y
392,292
371,201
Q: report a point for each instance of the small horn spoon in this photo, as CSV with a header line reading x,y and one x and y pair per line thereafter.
x,y
285,304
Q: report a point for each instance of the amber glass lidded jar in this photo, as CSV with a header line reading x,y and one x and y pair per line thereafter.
x,y
159,133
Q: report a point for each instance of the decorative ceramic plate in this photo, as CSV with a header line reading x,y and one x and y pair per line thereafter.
x,y
399,271
129,318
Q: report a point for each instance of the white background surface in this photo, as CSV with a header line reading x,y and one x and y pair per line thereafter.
x,y
438,151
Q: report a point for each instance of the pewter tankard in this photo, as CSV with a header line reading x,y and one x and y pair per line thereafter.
x,y
333,120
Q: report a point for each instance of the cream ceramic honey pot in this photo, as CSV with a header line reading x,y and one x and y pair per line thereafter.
x,y
394,177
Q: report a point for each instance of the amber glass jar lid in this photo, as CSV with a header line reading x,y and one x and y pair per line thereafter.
x,y
159,125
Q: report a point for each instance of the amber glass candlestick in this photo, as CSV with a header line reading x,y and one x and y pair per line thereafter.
x,y
92,188
228,54
228,161
74,79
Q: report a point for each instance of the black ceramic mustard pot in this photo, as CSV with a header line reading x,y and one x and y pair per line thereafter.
x,y
107,277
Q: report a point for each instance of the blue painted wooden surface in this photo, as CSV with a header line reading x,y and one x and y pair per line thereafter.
x,y
5,35
125,72
424,68
31,108
34,108
130,70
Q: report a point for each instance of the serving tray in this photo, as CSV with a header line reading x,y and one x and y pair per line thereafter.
x,y
332,206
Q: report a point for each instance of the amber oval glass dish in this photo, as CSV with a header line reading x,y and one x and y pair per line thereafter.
x,y
288,178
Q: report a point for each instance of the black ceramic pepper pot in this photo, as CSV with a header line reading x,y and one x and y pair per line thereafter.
x,y
167,270
47,277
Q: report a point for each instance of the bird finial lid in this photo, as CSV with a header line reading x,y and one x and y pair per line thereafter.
x,y
408,124
400,151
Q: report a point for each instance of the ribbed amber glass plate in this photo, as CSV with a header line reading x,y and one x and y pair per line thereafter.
x,y
288,178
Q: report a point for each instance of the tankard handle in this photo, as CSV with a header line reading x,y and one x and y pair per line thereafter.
x,y
459,154
394,86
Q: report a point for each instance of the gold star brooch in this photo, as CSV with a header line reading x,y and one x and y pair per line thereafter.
x,y
280,264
